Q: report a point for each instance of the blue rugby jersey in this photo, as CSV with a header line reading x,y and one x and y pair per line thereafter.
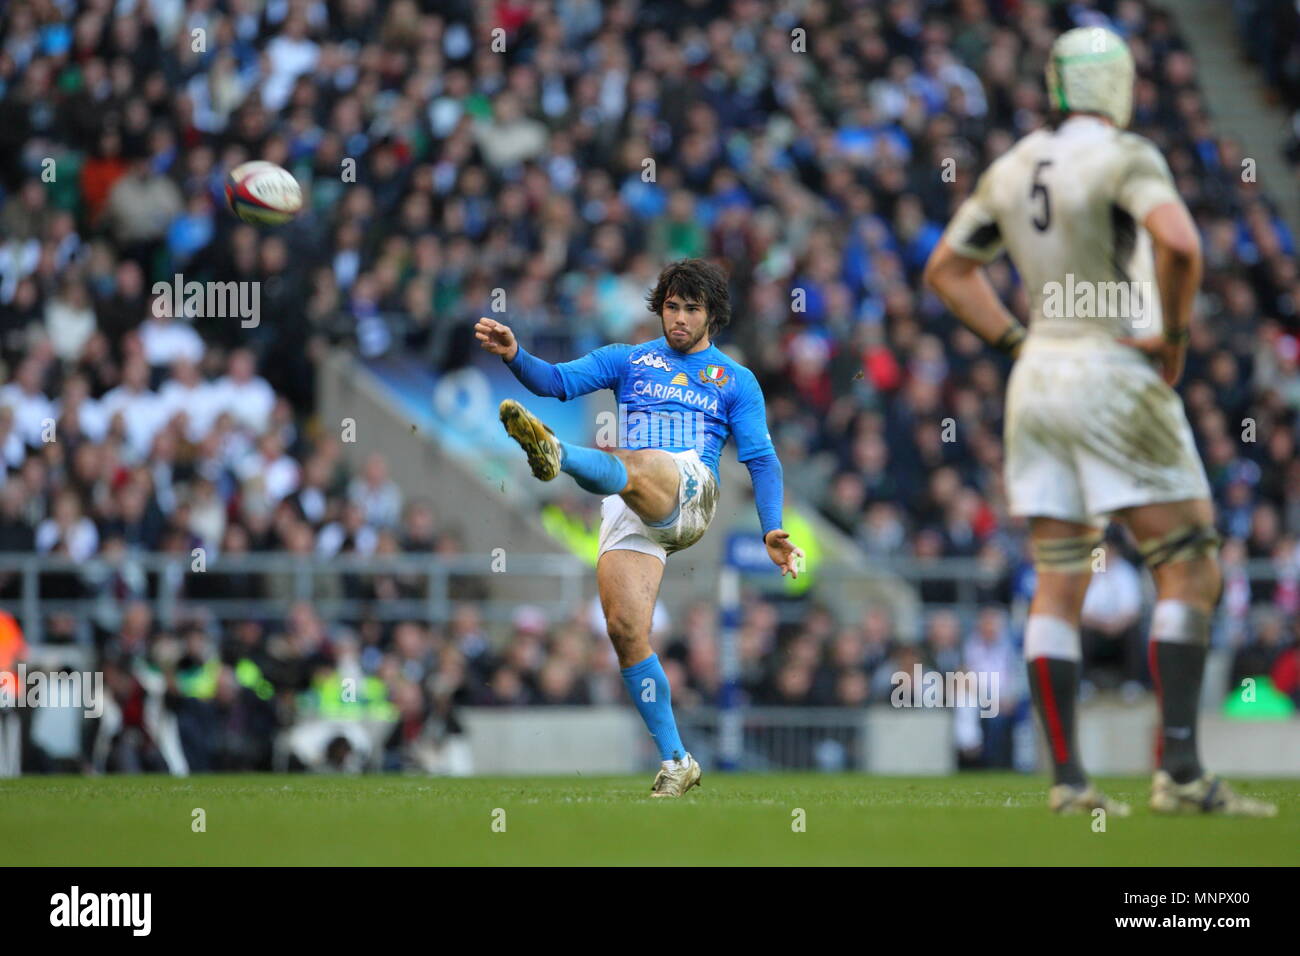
x,y
674,402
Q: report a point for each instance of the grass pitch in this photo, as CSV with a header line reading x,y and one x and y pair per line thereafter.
x,y
982,820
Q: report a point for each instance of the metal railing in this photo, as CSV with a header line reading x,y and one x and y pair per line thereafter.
x,y
968,574
439,581
830,739
963,579
295,577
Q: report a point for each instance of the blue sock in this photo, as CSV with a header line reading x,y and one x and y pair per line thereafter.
x,y
648,685
594,470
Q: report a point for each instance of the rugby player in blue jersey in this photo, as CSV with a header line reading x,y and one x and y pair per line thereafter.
x,y
680,399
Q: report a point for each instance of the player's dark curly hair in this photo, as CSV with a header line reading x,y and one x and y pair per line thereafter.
x,y
695,280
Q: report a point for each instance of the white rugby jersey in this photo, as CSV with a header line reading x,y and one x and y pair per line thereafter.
x,y
1068,205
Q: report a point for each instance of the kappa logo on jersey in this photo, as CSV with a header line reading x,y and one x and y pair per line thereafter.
x,y
692,486
714,375
653,361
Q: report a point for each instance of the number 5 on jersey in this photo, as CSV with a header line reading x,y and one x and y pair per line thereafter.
x,y
1042,220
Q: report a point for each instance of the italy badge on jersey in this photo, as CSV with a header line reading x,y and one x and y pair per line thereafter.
x,y
715,374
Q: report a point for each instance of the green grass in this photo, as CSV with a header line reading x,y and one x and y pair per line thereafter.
x,y
971,819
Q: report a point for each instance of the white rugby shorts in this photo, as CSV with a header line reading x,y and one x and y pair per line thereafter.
x,y
1091,429
697,498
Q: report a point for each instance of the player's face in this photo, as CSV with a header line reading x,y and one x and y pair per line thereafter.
x,y
686,324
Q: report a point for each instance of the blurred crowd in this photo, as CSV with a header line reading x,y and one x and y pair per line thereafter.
x,y
1269,32
563,150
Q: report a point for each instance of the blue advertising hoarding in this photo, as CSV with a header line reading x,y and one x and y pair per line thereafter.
x,y
460,407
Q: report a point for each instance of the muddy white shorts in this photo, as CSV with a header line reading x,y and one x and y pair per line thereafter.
x,y
697,499
1091,429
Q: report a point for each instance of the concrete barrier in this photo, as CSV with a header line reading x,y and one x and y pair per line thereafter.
x,y
1120,739
556,740
1114,739
910,743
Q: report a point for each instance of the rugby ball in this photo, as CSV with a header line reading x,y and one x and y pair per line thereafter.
x,y
263,193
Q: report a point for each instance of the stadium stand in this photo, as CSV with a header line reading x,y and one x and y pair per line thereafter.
x,y
820,172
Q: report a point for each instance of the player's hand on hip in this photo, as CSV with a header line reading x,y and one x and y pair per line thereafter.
x,y
783,552
496,338
1169,356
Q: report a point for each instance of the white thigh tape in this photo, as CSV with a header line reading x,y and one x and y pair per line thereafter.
x,y
1047,636
1177,622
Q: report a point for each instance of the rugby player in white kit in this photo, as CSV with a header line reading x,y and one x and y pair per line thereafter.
x,y
1110,259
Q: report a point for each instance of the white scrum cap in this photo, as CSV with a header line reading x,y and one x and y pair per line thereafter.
x,y
1091,71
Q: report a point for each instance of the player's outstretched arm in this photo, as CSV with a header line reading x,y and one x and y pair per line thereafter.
x,y
539,377
588,374
964,288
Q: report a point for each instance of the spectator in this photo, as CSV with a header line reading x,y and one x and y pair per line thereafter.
x,y
244,394
378,496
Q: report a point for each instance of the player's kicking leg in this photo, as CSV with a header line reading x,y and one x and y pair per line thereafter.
x,y
1180,546
600,472
1062,552
648,485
